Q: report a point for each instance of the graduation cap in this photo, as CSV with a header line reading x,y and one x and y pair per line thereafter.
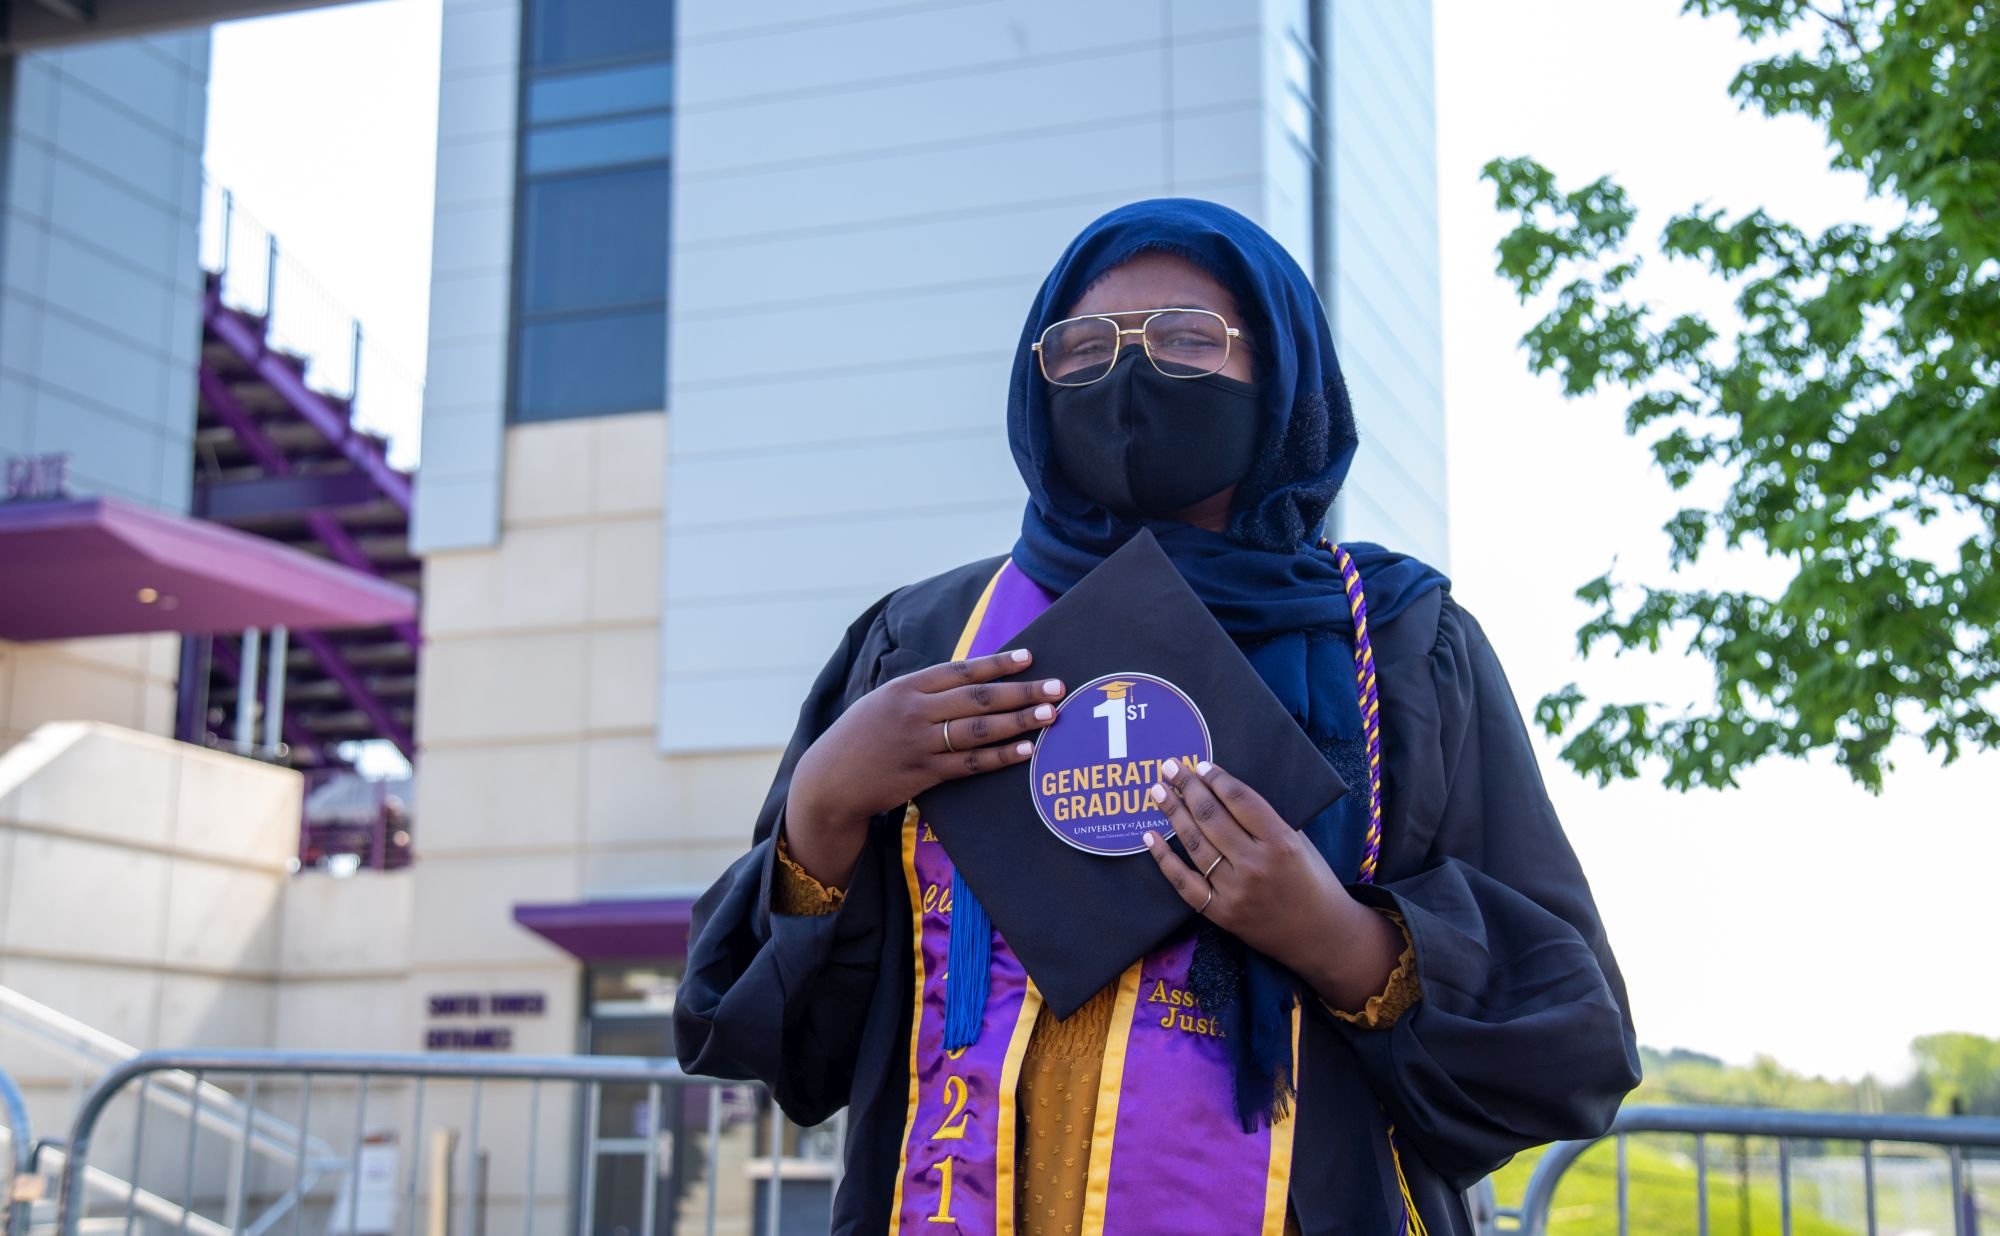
x,y
1051,847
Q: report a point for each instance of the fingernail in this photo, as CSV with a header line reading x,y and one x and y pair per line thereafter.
x,y
1158,793
1149,839
1171,768
1204,768
1043,712
1020,654
1023,748
1053,686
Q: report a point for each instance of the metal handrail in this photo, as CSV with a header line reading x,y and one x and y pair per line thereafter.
x,y
301,315
21,1144
1953,1133
51,1156
657,1075
219,1112
462,1066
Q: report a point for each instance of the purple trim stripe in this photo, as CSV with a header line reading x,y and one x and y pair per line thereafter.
x,y
1177,1117
1016,602
954,1174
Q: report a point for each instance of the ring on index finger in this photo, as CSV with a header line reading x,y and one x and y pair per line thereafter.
x,y
1209,871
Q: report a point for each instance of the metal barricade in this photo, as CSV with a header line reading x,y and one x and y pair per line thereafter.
x,y
655,1112
456,1206
1955,1135
18,1193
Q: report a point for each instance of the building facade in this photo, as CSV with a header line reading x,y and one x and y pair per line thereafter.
x,y
100,321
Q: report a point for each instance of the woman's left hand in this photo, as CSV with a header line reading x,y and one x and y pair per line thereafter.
x,y
1269,886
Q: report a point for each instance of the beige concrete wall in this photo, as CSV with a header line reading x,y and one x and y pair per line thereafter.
x,y
541,780
125,681
146,891
540,776
141,885
343,964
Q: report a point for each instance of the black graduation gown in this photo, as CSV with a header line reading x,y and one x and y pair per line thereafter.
x,y
1522,1035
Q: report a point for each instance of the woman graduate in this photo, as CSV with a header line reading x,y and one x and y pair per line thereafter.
x,y
1384,1004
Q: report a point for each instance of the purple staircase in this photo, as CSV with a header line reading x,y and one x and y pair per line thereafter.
x,y
276,457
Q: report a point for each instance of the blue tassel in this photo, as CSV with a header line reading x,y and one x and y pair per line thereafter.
x,y
966,967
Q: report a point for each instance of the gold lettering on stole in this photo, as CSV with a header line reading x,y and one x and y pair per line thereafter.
x,y
1182,1011
937,900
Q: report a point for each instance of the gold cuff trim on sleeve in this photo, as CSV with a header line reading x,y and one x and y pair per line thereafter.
x,y
794,891
1397,995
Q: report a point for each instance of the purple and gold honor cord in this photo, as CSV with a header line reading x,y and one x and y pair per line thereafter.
x,y
1371,706
1371,853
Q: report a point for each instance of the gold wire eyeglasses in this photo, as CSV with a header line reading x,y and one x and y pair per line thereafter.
x,y
1181,343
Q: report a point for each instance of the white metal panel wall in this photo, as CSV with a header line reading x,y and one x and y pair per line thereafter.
x,y
867,196
100,283
1385,296
465,389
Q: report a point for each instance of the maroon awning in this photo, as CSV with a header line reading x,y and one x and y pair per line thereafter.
x,y
637,929
71,568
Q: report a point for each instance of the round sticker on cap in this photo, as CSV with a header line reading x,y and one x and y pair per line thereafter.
x,y
1096,762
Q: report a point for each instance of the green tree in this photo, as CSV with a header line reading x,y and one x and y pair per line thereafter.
x,y
1851,400
1962,1069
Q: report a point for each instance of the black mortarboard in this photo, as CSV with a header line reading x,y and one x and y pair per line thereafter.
x,y
1077,919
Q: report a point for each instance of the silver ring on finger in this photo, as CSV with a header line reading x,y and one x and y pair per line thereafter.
x,y
1209,871
1203,907
946,726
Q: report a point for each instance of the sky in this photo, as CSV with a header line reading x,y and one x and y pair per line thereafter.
x,y
1796,916
323,124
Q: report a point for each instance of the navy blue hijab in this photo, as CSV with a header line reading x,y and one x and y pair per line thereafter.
x,y
1264,578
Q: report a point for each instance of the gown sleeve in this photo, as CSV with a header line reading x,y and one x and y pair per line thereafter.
x,y
1523,1034
781,997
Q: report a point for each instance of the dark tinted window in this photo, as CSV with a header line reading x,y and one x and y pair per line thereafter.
x,y
600,92
598,143
590,327
571,32
591,366
594,241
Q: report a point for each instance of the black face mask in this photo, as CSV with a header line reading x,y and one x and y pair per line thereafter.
x,y
1142,443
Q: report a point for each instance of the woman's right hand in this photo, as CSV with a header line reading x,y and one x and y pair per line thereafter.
x,y
911,733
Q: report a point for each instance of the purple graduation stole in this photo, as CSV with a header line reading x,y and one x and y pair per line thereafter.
x,y
1167,1153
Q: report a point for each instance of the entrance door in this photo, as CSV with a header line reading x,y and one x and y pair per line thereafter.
x,y
629,1011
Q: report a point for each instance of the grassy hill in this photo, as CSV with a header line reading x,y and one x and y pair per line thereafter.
x,y
1662,1196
